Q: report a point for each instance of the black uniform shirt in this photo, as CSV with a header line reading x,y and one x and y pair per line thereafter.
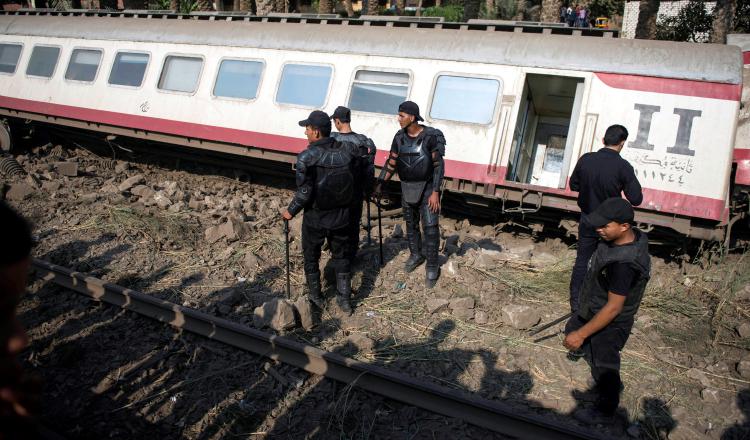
x,y
603,174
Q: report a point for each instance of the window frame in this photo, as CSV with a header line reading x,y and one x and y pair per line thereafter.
x,y
260,80
305,63
20,56
352,80
495,110
57,63
98,67
145,71
183,55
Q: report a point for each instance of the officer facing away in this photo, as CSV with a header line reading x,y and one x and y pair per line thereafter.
x,y
325,181
612,291
598,176
417,154
363,176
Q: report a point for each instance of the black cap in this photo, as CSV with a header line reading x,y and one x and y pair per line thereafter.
x,y
317,119
342,113
614,209
410,108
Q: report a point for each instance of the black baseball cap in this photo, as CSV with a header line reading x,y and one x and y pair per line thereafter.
x,y
317,119
614,209
410,108
342,113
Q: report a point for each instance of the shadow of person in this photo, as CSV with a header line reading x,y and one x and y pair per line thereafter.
x,y
740,430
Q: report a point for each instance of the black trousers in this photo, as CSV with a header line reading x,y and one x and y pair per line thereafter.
x,y
602,352
587,242
313,238
413,213
355,217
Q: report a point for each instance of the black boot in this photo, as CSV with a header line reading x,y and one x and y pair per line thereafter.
x,y
344,292
415,245
431,245
313,285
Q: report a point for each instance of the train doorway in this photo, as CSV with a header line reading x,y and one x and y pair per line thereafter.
x,y
542,145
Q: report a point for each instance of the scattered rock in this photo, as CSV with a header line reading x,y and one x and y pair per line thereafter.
x,y
213,234
121,167
19,191
743,367
543,259
434,305
450,268
480,317
232,229
462,303
162,201
520,317
362,342
140,190
465,314
52,186
698,375
743,294
743,330
304,312
522,252
710,395
250,262
130,182
277,314
196,205
69,169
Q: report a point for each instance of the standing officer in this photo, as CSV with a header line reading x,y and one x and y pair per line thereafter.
x,y
417,154
598,176
612,291
363,176
325,181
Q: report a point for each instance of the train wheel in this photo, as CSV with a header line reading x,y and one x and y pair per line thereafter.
x,y
5,143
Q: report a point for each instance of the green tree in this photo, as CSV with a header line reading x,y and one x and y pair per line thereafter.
x,y
692,23
606,8
742,17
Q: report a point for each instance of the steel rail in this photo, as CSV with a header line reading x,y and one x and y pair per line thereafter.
x,y
491,415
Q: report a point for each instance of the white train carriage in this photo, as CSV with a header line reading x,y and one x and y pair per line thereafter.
x,y
517,109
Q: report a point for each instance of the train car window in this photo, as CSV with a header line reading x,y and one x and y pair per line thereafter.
x,y
9,55
238,79
180,74
129,69
465,99
378,92
43,61
83,65
304,84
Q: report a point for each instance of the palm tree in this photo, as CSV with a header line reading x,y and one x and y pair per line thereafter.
x,y
723,20
647,11
551,10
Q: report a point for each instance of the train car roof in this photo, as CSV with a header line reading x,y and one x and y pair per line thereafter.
x,y
692,61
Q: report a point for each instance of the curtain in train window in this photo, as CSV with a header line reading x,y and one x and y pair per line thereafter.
x,y
238,79
303,84
83,65
181,74
128,69
465,99
43,61
9,54
378,92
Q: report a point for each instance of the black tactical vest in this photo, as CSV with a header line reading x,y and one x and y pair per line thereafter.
x,y
334,177
414,162
595,293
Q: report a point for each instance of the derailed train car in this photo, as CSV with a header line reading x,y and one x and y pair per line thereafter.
x,y
517,109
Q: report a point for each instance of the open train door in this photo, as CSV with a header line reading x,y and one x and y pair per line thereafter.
x,y
544,134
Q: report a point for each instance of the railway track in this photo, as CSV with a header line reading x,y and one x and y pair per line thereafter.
x,y
491,415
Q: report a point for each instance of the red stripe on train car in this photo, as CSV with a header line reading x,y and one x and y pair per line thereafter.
x,y
746,57
676,203
701,89
742,158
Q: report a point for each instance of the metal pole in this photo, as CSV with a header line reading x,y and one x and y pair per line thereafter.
x,y
380,235
369,224
548,325
286,240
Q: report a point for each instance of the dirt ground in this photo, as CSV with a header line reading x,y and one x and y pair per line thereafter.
x,y
211,239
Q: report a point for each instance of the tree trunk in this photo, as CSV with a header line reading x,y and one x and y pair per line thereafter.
x,y
325,6
204,5
174,5
219,5
419,8
647,12
520,10
490,8
401,5
723,20
471,10
551,10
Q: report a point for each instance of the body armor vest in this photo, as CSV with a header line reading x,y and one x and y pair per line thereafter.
x,y
334,178
414,162
595,292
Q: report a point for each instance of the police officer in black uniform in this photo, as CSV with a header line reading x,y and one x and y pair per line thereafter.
x,y
417,154
613,287
363,176
325,184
